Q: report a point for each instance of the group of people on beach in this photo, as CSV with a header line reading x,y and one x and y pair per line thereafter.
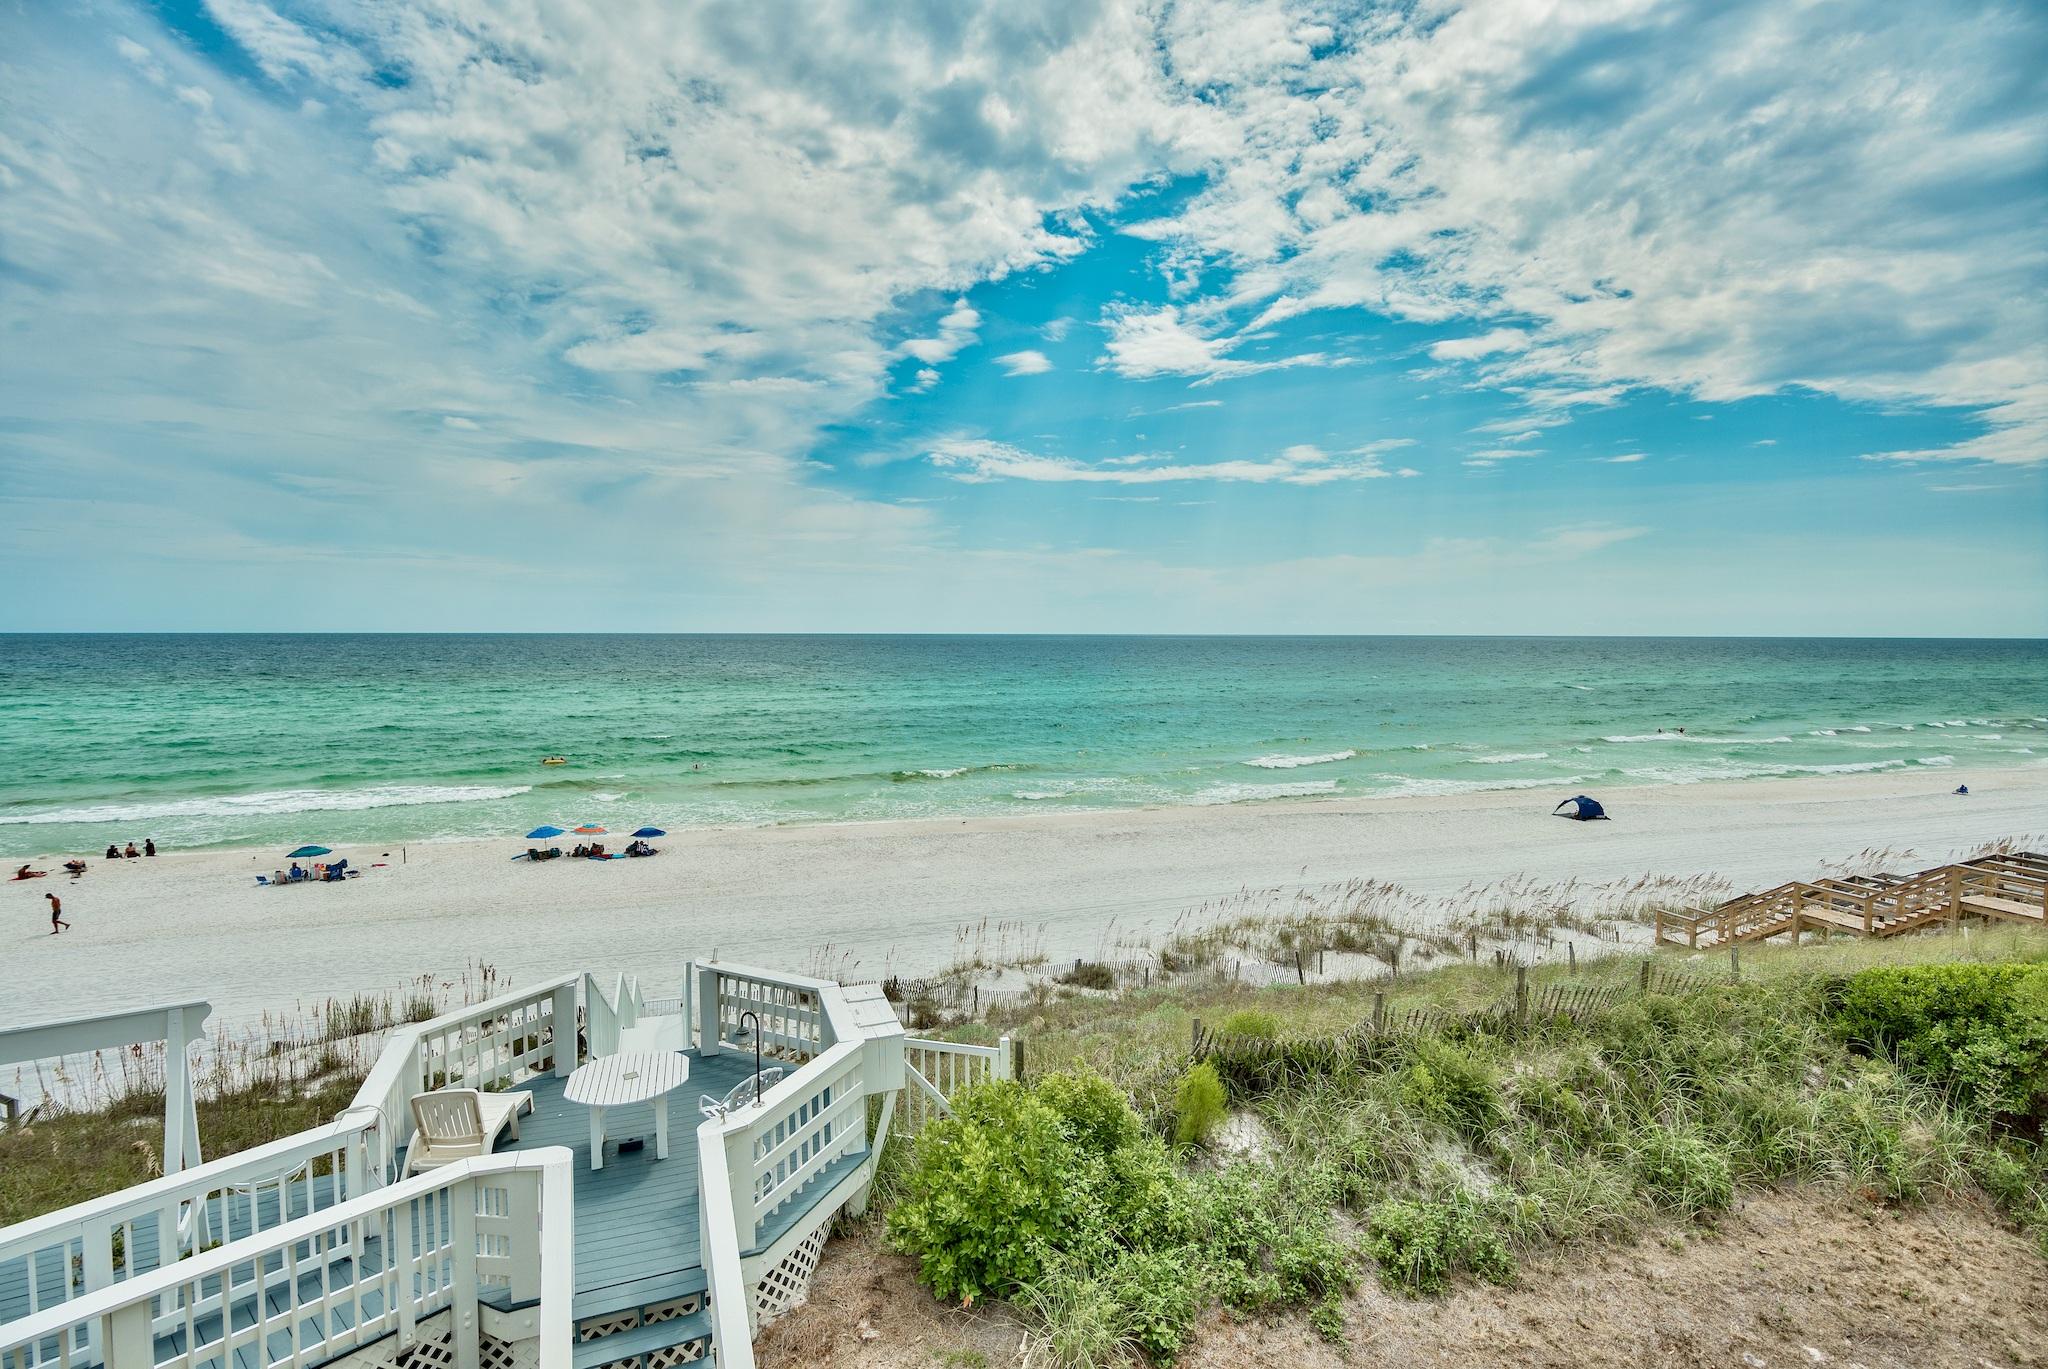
x,y
75,867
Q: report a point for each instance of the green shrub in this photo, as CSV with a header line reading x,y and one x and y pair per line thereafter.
x,y
1419,1246
1450,1086
1199,1105
1979,1031
1252,1022
1682,1171
1161,1291
1093,1113
989,1193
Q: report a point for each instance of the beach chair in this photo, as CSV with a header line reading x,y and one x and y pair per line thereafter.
x,y
740,1095
461,1124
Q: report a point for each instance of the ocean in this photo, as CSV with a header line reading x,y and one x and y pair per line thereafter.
x,y
200,740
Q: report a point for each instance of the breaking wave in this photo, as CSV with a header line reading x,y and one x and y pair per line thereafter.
x,y
272,802
1295,762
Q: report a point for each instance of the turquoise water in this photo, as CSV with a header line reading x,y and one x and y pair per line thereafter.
x,y
199,740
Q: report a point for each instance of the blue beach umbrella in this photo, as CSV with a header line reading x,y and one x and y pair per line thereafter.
x,y
650,832
543,833
307,851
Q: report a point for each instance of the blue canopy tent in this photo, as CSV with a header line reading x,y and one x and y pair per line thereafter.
x,y
1580,809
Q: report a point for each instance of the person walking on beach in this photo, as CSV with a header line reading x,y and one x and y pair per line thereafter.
x,y
57,922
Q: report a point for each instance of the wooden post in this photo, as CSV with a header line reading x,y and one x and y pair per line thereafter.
x,y
1521,993
1734,960
1379,1010
1017,1058
1657,922
1472,943
1643,979
1300,972
1195,1037
1571,955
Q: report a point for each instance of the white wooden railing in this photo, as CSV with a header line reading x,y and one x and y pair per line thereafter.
x,y
939,1069
490,1045
377,1265
89,1246
759,1158
792,1011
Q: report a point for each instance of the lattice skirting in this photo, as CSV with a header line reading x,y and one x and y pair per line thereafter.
x,y
787,1285
666,1358
438,1352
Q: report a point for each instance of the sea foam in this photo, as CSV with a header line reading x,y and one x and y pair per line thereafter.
x,y
273,802
1295,762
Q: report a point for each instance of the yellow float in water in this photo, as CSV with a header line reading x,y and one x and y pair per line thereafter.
x,y
554,760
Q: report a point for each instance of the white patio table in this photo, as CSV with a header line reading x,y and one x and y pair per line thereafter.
x,y
633,1077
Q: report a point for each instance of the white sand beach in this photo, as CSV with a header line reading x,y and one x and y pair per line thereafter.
x,y
890,897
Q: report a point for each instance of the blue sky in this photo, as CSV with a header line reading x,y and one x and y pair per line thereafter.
x,y
1212,317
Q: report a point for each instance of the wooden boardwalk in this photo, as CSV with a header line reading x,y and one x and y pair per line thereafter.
x,y
2011,887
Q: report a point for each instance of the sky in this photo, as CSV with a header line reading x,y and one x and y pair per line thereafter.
x,y
1089,316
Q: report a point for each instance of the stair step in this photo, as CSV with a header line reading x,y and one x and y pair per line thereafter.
x,y
643,1339
634,1294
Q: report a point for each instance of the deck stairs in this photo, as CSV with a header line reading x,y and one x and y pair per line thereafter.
x,y
2008,886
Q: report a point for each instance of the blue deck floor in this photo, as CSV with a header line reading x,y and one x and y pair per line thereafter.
x,y
636,1219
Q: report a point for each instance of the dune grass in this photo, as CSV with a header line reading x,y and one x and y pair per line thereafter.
x,y
1425,1157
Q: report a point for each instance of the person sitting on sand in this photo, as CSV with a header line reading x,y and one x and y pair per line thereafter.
x,y
131,853
297,873
25,873
149,846
76,867
581,850
113,851
1962,789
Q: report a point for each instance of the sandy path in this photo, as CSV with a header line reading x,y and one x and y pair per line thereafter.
x,y
891,896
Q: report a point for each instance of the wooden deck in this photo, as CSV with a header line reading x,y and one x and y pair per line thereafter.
x,y
636,1219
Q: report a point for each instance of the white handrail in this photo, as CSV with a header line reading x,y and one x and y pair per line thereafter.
x,y
499,1221
732,1311
194,1208
940,1069
485,1045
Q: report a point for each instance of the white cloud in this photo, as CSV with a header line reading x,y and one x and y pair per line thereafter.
x,y
1485,345
1672,195
979,460
1145,343
1625,459
956,331
1025,363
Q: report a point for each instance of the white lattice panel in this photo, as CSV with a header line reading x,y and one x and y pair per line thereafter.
x,y
789,1283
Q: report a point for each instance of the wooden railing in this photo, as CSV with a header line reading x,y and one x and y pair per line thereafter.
x,y
325,1284
791,1010
1867,909
936,1070
491,1045
79,1250
754,1161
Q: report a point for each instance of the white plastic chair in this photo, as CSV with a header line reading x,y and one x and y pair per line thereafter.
x,y
740,1095
459,1124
